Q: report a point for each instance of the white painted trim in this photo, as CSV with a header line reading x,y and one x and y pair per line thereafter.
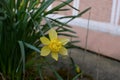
x,y
93,25
114,3
117,13
76,4
50,7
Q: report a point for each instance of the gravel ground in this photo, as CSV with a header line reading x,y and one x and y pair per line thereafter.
x,y
99,67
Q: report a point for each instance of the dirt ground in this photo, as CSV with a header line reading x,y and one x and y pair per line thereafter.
x,y
99,67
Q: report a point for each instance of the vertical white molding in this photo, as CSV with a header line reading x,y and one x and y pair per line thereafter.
x,y
117,13
113,11
76,4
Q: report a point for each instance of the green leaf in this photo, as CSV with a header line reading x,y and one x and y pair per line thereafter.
x,y
74,16
43,7
77,76
5,6
65,30
23,5
12,4
58,7
32,47
70,6
75,41
60,23
40,72
80,14
69,35
48,22
3,15
53,70
23,54
32,4
55,73
63,9
71,45
19,65
73,63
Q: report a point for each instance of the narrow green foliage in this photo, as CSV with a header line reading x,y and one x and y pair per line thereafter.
x,y
23,55
77,76
22,23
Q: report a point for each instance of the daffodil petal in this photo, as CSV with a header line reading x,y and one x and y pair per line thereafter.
x,y
63,51
52,34
45,51
54,56
45,40
64,41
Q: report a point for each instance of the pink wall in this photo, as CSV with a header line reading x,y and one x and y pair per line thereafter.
x,y
100,9
103,43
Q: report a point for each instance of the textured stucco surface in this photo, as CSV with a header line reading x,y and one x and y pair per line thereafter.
x,y
103,43
100,9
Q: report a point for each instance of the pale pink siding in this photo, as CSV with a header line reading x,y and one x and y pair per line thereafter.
x,y
103,43
101,9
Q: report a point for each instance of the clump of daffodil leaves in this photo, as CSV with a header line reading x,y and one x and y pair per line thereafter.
x,y
22,23
53,45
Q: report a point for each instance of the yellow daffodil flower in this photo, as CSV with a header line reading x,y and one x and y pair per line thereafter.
x,y
54,45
